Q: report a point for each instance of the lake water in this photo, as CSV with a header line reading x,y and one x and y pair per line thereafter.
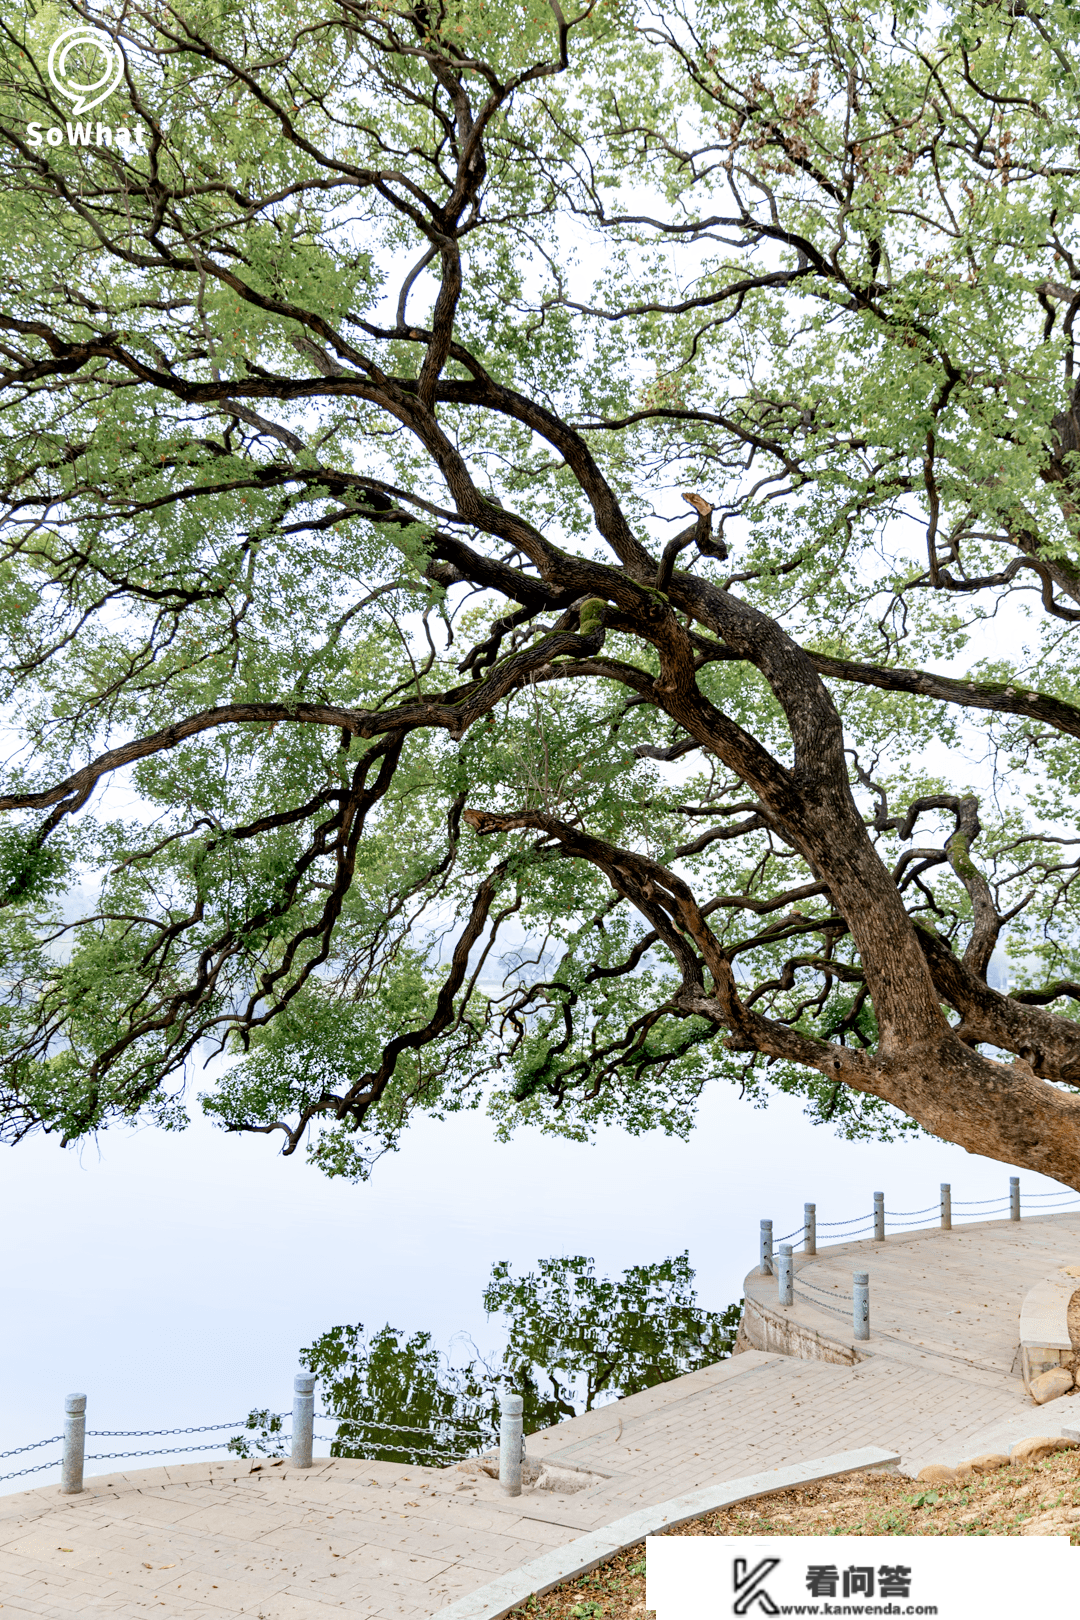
x,y
174,1278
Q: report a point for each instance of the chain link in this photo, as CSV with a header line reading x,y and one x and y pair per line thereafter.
x,y
240,1425
897,1216
150,1434
33,1446
823,1307
37,1469
160,1451
397,1428
408,1451
830,1292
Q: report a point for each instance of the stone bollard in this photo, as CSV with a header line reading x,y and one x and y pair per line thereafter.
x,y
879,1217
71,1468
303,1419
809,1219
784,1273
1014,1198
765,1262
860,1295
946,1207
510,1447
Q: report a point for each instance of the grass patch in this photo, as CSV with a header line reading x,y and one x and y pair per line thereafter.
x,y
1036,1499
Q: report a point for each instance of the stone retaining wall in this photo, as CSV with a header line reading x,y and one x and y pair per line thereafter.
x,y
764,1328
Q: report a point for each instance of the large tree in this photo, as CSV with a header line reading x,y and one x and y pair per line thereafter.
x,y
383,719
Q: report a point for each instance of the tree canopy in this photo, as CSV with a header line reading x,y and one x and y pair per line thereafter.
x,y
539,567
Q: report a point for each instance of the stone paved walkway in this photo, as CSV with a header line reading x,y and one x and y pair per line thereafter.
x,y
214,1541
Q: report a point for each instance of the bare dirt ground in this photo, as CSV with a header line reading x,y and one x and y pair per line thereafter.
x,y
1034,1499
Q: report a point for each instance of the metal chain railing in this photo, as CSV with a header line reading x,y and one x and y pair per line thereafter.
x,y
152,1434
857,1225
18,1473
877,1221
397,1428
833,1309
17,1451
777,1259
160,1451
129,1434
474,1428
831,1293
405,1451
367,1430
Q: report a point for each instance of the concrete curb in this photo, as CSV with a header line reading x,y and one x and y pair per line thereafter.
x,y
498,1597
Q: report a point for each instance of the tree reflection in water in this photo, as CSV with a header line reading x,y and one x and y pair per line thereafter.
x,y
573,1341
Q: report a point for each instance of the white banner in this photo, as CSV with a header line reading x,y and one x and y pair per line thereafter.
x,y
953,1577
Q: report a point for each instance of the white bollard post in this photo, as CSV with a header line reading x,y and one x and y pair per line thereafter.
x,y
1014,1198
809,1229
879,1217
860,1294
510,1448
303,1419
765,1262
946,1207
785,1274
71,1468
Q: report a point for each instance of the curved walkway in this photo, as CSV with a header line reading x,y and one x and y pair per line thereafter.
x,y
214,1541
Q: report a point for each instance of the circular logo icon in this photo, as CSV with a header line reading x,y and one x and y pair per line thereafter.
x,y
85,50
